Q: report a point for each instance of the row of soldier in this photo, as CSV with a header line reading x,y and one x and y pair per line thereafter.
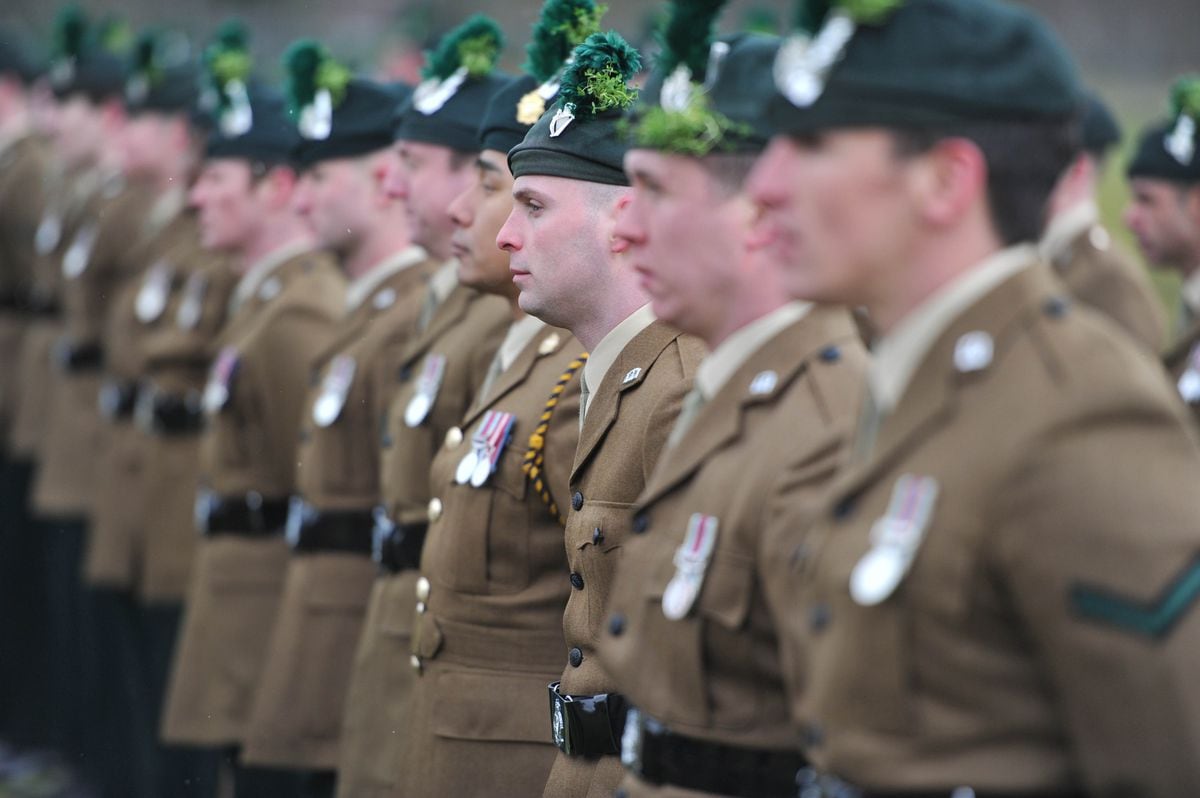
x,y
532,444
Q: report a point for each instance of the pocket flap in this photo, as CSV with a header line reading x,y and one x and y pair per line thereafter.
x,y
492,705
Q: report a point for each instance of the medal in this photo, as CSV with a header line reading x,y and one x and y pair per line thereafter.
x,y
428,385
49,234
691,563
487,444
466,467
152,296
220,380
895,539
191,307
334,390
75,259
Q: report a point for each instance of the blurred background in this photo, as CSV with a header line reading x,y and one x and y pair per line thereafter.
x,y
1130,52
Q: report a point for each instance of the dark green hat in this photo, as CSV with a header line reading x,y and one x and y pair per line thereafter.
x,y
701,98
1171,150
578,138
162,77
250,120
906,63
80,65
1099,129
460,79
337,115
512,111
18,56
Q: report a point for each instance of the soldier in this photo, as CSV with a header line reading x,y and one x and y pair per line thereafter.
x,y
1164,214
282,316
689,637
572,271
345,125
437,370
158,157
488,634
987,601
1082,252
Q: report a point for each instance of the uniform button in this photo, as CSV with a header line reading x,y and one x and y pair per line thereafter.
x,y
640,523
844,508
386,441
616,624
575,657
819,617
831,354
620,794
454,436
577,581
435,509
422,589
404,374
597,536
812,735
577,500
1055,307
415,661
421,608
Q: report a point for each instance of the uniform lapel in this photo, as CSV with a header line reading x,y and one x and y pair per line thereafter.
x,y
627,371
448,314
546,342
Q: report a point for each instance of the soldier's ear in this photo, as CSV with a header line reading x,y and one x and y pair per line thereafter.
x,y
949,180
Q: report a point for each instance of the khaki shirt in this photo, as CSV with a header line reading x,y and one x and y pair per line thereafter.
x,y
994,598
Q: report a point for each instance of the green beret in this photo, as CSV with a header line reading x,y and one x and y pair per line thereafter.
x,y
270,138
907,63
336,115
18,57
1170,150
79,65
578,137
505,121
161,76
460,79
701,97
1099,129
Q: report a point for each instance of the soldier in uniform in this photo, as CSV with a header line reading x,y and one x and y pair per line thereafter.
x,y
284,309
297,713
1164,214
996,597
690,638
1082,252
572,271
436,369
488,634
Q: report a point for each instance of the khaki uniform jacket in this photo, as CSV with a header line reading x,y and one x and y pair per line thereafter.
x,y
249,445
628,420
1045,637
466,329
94,265
1104,278
177,354
759,447
1182,362
22,165
297,714
119,516
489,633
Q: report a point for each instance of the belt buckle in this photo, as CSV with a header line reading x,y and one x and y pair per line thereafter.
x,y
300,515
631,741
813,784
560,726
380,533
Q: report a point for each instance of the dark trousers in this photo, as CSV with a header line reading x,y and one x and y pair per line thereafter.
x,y
255,782
67,624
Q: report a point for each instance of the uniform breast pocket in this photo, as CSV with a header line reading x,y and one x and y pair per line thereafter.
x,y
514,511
727,644
598,535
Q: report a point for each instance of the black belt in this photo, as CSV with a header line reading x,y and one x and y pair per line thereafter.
x,y
311,530
250,515
75,358
811,784
167,414
396,547
586,725
660,756
118,398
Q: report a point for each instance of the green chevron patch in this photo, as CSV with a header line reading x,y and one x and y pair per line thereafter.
x,y
1153,619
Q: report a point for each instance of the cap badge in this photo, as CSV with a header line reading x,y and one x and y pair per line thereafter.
x,y
562,117
1181,141
803,63
432,94
316,120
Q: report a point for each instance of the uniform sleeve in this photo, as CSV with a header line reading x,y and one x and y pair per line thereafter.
x,y
1098,549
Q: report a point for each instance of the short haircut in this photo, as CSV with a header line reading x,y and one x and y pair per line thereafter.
x,y
1025,160
729,170
461,158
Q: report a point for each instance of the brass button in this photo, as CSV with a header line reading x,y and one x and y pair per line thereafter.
x,y
454,436
422,589
435,509
415,661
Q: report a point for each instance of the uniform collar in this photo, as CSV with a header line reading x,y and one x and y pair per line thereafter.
x,y
1065,227
1190,293
897,355
605,353
251,281
365,285
443,281
516,339
716,369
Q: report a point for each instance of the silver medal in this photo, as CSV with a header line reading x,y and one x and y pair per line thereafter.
x,y
417,409
48,235
483,470
877,575
326,409
466,467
